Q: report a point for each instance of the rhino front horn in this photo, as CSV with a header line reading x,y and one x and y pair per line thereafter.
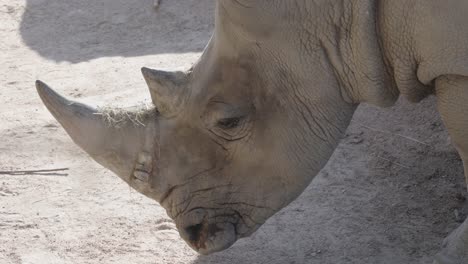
x,y
114,139
168,89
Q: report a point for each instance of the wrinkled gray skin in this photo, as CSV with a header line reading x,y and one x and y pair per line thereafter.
x,y
241,134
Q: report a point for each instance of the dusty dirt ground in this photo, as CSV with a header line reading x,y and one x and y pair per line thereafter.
x,y
392,191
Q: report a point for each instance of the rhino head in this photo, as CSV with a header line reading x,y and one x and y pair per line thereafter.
x,y
231,141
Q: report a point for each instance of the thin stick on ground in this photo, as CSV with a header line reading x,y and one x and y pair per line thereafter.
x,y
393,162
36,172
398,135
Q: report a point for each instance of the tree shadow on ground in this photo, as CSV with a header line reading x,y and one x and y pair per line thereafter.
x,y
82,30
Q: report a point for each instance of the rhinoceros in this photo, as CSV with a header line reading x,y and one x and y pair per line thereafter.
x,y
242,133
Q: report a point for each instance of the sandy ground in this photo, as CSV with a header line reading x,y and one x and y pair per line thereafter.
x,y
391,192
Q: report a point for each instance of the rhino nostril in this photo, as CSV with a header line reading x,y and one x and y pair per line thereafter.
x,y
194,232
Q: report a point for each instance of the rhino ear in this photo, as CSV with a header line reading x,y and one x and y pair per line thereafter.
x,y
168,89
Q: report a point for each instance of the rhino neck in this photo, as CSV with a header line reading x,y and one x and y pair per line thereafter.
x,y
353,48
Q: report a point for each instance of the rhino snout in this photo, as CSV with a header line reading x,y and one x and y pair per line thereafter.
x,y
205,234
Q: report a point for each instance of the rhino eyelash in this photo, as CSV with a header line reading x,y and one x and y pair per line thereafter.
x,y
229,123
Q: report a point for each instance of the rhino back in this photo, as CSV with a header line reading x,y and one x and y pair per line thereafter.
x,y
423,40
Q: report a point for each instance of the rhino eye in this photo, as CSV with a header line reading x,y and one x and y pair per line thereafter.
x,y
229,123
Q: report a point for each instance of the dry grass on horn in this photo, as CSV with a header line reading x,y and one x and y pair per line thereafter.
x,y
122,117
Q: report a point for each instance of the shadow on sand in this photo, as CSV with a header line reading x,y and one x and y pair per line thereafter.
x,y
81,30
364,209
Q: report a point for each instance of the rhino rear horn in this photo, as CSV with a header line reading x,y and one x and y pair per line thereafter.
x,y
116,147
168,89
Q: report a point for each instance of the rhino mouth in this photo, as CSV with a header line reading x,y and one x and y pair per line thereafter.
x,y
208,231
207,238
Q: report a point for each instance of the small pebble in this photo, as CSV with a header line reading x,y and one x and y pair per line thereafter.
x,y
156,4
